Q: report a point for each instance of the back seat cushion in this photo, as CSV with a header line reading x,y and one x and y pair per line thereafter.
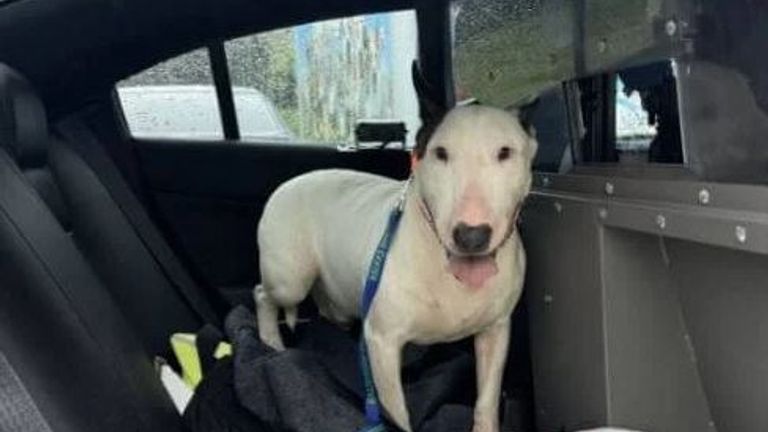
x,y
69,344
117,254
23,124
85,208
42,181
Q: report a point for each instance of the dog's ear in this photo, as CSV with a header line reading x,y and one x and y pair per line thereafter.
x,y
525,113
432,109
431,106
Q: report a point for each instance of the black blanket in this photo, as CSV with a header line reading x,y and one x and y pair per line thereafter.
x,y
315,385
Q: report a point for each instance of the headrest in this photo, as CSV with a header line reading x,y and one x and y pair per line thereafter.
x,y
23,124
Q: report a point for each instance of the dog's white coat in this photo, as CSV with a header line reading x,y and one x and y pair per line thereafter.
x,y
319,231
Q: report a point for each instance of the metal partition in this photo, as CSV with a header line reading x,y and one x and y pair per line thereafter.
x,y
647,303
647,284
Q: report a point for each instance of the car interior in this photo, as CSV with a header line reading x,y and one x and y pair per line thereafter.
x,y
646,230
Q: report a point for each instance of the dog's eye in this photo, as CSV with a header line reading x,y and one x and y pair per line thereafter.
x,y
441,154
504,153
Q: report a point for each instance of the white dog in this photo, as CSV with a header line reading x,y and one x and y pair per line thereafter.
x,y
455,268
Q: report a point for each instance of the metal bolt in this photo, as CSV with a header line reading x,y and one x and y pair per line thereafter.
x,y
661,221
548,298
602,213
670,27
609,188
741,234
704,197
558,207
545,181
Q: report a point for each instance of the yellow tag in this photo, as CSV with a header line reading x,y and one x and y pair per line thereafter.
x,y
223,350
185,347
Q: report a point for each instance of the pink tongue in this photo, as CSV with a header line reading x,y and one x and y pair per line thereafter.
x,y
472,271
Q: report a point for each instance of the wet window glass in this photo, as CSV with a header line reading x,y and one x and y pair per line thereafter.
x,y
648,81
318,80
173,100
506,51
309,84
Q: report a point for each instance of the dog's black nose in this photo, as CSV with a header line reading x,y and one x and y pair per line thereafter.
x,y
472,238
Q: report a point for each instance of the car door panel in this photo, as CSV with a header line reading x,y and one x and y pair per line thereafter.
x,y
210,196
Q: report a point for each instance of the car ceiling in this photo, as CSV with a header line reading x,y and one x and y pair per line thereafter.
x,y
75,50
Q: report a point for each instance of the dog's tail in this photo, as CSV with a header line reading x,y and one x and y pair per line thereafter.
x,y
291,317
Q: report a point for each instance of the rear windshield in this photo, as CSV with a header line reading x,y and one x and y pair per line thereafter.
x,y
632,81
506,51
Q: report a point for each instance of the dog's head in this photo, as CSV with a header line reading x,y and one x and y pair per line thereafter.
x,y
472,176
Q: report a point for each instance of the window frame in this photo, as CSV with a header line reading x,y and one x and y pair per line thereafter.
x,y
224,93
433,54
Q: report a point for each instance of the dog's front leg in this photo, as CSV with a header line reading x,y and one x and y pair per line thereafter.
x,y
490,356
384,353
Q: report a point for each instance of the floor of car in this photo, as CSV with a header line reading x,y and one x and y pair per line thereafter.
x,y
320,366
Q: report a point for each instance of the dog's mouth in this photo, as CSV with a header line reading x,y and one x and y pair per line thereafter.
x,y
472,270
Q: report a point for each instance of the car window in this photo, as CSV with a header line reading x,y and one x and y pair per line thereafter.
x,y
603,72
310,84
647,114
634,131
174,99
324,77
257,116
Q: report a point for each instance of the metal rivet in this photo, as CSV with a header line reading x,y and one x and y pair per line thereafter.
x,y
661,221
602,213
545,181
558,207
609,188
670,27
548,298
741,234
704,197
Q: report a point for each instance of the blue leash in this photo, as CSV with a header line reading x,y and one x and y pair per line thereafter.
x,y
373,421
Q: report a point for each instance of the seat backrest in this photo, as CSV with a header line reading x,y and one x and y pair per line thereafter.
x,y
65,347
107,224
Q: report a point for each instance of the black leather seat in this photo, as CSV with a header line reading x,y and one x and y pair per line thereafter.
x,y
103,219
70,359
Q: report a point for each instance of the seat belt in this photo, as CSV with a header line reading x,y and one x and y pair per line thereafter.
x,y
18,412
80,139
